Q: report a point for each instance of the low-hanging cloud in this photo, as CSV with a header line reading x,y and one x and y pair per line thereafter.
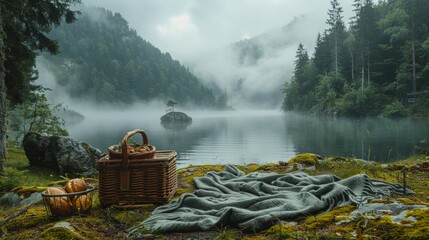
x,y
200,33
211,24
58,94
256,81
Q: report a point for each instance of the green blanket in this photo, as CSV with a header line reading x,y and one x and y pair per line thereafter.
x,y
256,201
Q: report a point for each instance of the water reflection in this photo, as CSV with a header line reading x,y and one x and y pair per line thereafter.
x,y
176,125
379,139
260,137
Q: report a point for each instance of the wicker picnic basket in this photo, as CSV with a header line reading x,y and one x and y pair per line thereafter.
x,y
149,178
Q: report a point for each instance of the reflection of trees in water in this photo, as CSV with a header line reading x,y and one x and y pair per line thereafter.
x,y
183,140
102,134
242,138
368,138
176,125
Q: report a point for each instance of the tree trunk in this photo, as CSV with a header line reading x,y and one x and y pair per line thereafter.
x,y
3,105
336,57
413,47
414,66
369,71
353,65
362,71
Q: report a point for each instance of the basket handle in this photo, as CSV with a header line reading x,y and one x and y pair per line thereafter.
x,y
125,161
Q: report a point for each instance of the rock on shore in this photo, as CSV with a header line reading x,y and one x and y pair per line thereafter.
x,y
62,154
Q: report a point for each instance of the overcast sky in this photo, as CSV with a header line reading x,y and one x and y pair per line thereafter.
x,y
182,27
196,32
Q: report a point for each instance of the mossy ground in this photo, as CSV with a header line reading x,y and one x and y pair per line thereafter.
x,y
17,172
112,223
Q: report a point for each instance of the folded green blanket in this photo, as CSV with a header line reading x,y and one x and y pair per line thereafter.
x,y
256,201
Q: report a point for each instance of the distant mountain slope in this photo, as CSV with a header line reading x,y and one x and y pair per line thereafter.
x,y
253,70
258,47
103,59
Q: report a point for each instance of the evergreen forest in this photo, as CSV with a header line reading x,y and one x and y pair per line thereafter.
x,y
379,65
103,59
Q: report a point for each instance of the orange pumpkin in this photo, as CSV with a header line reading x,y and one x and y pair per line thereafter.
x,y
82,203
60,206
75,185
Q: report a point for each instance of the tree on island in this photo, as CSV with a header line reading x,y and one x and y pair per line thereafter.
x,y
172,116
23,28
170,105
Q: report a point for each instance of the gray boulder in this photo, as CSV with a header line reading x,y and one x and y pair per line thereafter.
x,y
9,199
62,154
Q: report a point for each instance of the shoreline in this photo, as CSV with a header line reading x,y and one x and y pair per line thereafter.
x,y
340,222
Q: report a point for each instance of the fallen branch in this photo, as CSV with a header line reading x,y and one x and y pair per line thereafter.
x,y
22,211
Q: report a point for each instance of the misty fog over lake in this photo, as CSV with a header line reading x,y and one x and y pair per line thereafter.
x,y
243,137
272,57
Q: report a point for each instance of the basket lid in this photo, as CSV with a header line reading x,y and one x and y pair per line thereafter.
x,y
159,156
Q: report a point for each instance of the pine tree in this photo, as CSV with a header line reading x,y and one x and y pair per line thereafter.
x,y
301,60
296,88
322,55
365,28
24,25
336,30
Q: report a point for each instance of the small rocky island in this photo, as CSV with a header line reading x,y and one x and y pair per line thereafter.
x,y
176,120
176,116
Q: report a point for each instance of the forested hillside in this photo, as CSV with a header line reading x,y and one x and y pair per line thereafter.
x,y
103,59
379,65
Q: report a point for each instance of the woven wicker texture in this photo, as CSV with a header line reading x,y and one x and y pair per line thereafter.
x,y
123,153
150,180
124,181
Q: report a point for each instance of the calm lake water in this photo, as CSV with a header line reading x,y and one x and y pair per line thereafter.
x,y
257,136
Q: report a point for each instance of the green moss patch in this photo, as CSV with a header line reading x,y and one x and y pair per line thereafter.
x,y
33,217
59,233
26,191
323,220
18,172
305,158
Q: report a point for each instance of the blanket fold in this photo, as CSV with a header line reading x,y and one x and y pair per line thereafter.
x,y
256,201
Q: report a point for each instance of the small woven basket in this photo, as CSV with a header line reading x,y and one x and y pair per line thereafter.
x,y
68,204
117,152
